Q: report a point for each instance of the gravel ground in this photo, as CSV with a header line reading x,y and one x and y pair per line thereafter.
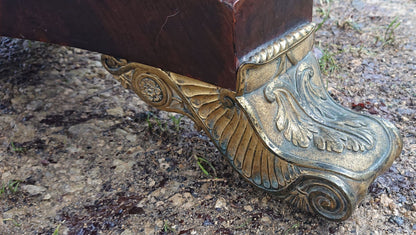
x,y
81,155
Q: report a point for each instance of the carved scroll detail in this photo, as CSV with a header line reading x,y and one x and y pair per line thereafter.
x,y
320,196
149,83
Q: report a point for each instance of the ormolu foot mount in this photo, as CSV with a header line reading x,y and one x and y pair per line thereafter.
x,y
280,129
251,83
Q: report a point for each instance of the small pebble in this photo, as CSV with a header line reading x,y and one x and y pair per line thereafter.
x,y
248,208
47,197
33,190
397,220
221,204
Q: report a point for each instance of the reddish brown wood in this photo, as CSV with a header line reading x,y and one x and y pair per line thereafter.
x,y
202,39
260,21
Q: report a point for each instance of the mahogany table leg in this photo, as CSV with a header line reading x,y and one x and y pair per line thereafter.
x,y
280,129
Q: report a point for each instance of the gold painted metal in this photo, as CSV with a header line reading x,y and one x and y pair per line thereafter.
x,y
280,130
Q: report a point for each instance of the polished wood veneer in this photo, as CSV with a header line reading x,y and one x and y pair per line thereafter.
x,y
202,39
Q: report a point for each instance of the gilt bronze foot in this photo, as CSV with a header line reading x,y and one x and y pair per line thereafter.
x,y
280,129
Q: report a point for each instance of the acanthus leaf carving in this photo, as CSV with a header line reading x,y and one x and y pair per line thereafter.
x,y
289,121
306,114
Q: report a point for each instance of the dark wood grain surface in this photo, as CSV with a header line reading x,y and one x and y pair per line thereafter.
x,y
203,39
